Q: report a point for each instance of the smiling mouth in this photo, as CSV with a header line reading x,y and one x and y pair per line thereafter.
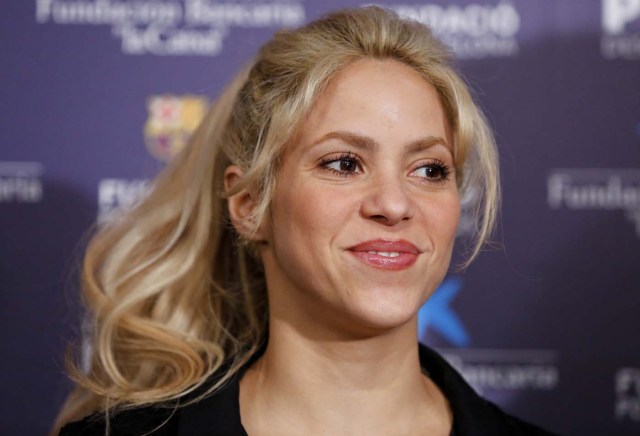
x,y
386,255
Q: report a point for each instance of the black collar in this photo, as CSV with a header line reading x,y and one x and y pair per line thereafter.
x,y
219,414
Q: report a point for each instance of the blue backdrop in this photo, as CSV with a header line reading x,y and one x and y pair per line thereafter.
x,y
96,95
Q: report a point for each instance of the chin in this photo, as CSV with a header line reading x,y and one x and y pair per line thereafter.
x,y
385,314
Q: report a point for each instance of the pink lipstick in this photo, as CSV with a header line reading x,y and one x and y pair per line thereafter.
x,y
385,254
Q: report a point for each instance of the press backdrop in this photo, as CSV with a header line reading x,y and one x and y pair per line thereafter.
x,y
97,95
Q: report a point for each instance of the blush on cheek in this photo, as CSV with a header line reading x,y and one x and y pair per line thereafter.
x,y
444,223
320,209
454,218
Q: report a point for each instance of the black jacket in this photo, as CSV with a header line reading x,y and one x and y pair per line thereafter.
x,y
219,414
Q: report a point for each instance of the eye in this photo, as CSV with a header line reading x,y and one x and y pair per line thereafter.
x,y
343,165
434,171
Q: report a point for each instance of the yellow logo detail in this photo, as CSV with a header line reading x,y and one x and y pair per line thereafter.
x,y
172,119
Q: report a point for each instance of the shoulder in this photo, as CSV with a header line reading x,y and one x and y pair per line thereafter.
x,y
204,411
200,414
511,425
472,414
159,421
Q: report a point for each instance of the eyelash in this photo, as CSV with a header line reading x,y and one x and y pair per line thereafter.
x,y
443,170
343,157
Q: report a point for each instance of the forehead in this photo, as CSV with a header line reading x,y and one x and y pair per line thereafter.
x,y
383,99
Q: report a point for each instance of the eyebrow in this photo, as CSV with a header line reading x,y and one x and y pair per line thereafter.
x,y
369,144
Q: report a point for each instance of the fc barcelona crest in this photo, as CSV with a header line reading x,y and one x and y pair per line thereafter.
x,y
172,119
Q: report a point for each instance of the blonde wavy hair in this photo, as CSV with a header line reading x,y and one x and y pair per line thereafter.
x,y
171,290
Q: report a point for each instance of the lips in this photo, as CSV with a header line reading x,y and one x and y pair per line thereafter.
x,y
386,255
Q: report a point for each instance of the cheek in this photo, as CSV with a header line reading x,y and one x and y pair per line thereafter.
x,y
313,210
443,217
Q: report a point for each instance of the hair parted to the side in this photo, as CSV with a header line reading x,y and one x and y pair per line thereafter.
x,y
171,289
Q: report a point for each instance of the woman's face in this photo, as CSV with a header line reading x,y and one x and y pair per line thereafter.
x,y
365,210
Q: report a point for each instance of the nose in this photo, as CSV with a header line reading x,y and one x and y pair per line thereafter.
x,y
387,201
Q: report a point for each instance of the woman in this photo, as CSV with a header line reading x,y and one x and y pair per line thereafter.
x,y
271,280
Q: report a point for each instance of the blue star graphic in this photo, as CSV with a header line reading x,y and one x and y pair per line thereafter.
x,y
437,314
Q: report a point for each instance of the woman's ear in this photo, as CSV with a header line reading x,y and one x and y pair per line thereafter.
x,y
241,205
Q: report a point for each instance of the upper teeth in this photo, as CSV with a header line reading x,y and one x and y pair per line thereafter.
x,y
385,253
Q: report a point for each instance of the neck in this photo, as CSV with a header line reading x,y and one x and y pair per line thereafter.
x,y
342,385
365,363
